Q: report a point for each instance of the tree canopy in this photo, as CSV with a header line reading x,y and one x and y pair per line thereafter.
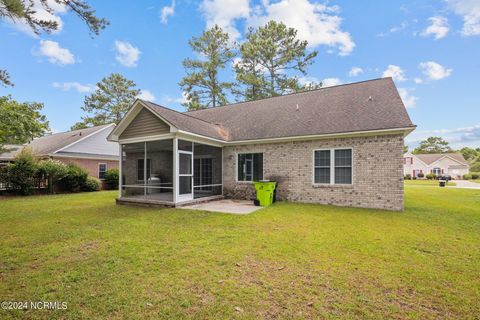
x,y
20,122
433,145
109,102
26,11
202,83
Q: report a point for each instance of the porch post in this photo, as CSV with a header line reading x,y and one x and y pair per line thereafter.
x,y
175,169
120,180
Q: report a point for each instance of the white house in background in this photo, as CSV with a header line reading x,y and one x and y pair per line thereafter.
x,y
452,164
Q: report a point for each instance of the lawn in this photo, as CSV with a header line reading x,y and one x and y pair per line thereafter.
x,y
286,261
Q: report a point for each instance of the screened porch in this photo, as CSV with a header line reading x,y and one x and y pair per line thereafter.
x,y
170,171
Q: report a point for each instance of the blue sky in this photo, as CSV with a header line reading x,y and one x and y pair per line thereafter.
x,y
431,48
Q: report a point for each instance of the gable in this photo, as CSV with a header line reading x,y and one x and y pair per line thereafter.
x,y
145,124
446,162
95,144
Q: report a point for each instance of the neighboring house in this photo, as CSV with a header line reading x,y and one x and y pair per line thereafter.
x,y
339,145
452,164
88,148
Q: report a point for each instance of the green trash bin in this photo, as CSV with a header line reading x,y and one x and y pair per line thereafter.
x,y
265,191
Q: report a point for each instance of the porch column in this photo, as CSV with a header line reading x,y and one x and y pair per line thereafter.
x,y
175,169
120,180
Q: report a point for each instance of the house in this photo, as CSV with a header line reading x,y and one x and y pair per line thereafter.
x,y
453,164
340,145
88,148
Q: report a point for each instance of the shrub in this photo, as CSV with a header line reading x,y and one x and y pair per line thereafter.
x,y
408,177
111,179
420,175
21,173
92,184
475,175
467,176
53,170
414,178
430,176
75,178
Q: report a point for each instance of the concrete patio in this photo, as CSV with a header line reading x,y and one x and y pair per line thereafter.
x,y
241,207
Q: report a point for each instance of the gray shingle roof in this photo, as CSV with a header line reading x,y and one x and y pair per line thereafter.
x,y
51,143
432,157
361,106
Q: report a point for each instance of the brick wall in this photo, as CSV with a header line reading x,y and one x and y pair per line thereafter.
x,y
91,165
377,172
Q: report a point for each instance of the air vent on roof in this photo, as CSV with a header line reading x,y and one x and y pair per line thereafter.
x,y
298,108
370,98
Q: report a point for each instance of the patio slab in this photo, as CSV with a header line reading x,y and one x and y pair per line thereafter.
x,y
225,206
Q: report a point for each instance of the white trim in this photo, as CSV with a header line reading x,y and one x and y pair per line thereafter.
x,y
158,137
87,136
58,155
98,171
447,156
193,137
175,175
120,170
186,196
332,167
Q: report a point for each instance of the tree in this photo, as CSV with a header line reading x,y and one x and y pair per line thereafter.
x,y
21,122
269,56
405,149
110,101
433,145
470,154
26,11
54,171
202,85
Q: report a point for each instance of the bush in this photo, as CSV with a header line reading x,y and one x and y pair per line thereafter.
x,y
53,170
75,178
92,184
407,177
467,176
414,178
111,179
475,175
430,176
20,174
420,175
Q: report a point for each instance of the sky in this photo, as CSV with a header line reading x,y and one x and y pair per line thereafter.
x,y
430,48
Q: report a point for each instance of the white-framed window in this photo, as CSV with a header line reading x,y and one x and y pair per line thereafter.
x,y
333,166
102,168
250,167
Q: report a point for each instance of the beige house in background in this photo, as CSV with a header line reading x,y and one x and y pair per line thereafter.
x,y
452,164
340,145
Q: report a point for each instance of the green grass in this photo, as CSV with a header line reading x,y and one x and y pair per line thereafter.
x,y
286,261
426,183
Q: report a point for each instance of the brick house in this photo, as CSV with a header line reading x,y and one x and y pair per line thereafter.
x,y
453,164
340,145
88,148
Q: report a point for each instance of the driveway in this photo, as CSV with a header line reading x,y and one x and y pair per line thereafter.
x,y
465,184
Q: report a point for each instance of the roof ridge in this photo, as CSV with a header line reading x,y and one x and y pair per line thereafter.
x,y
63,132
289,94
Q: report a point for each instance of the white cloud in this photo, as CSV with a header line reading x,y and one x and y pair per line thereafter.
x,y
355,71
167,12
146,95
435,71
395,72
40,14
330,82
169,100
438,27
66,86
409,100
55,53
127,55
317,23
395,29
307,80
225,13
457,137
469,10
418,80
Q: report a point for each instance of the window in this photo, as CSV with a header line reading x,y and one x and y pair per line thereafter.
x,y
437,171
141,170
203,173
102,168
333,166
250,167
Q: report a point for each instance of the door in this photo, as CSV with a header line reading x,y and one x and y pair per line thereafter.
x,y
185,175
